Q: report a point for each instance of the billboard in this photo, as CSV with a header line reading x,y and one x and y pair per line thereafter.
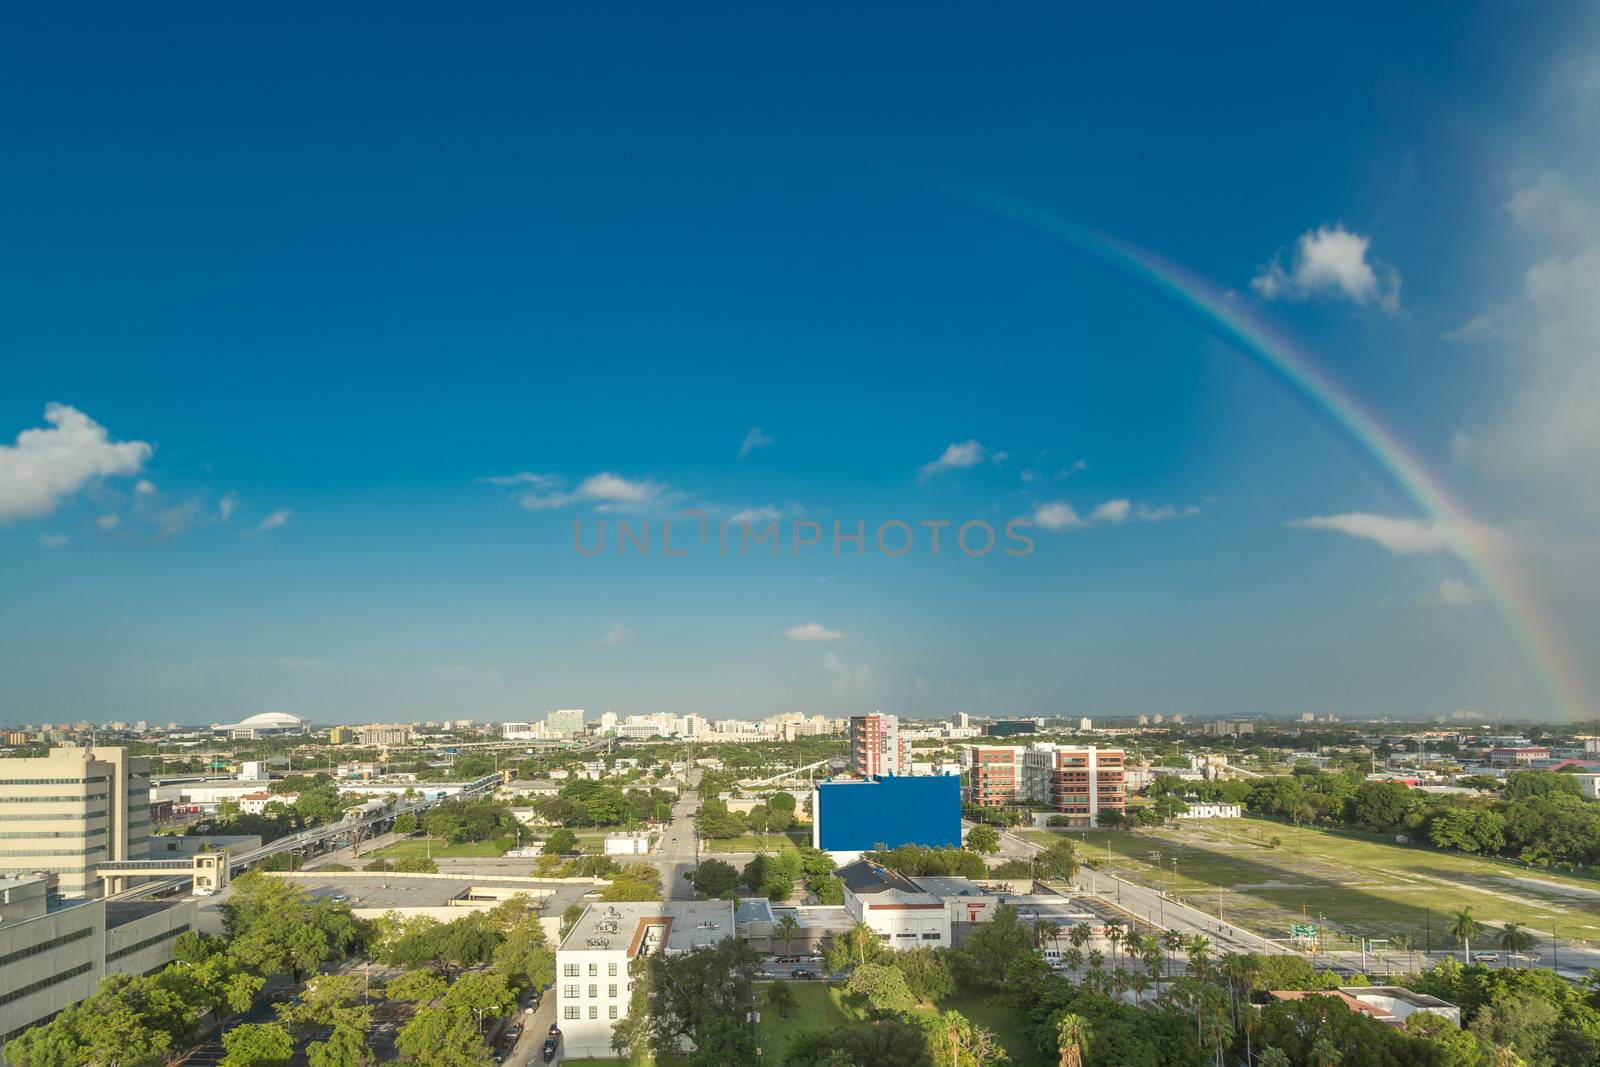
x,y
857,816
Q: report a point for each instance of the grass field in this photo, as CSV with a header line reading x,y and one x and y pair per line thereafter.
x,y
418,847
758,842
1360,884
823,1007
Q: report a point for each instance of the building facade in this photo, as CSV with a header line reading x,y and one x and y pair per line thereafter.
x,y
876,747
593,975
1080,781
995,772
566,722
392,734
66,813
899,911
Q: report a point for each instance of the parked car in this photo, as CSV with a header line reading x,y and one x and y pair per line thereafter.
x,y
550,1046
801,972
513,1033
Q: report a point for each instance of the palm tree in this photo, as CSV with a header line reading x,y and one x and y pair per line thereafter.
x,y
1272,1057
1324,1054
786,927
985,1048
954,1028
1173,940
1463,927
1514,939
1198,947
860,936
1119,982
1079,935
1139,981
1114,934
1153,957
1072,1038
1073,958
1046,931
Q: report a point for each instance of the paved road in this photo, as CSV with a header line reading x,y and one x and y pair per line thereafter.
x,y
675,850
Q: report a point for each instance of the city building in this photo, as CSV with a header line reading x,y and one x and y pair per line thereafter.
x,y
54,957
1075,780
1589,785
1390,1004
341,735
266,724
852,816
593,985
1513,755
66,813
1228,728
1085,725
567,722
995,772
876,746
392,734
901,913
1010,727
626,844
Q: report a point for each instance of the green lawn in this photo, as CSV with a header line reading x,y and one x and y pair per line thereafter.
x,y
825,1007
419,847
1361,884
758,842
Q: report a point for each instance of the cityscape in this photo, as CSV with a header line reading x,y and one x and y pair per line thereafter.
x,y
723,535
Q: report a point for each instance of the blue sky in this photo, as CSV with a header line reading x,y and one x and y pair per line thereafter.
x,y
336,271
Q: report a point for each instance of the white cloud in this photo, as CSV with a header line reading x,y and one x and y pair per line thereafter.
x,y
277,520
1549,206
616,634
52,540
46,466
1059,515
755,516
107,523
145,487
1400,536
1455,593
959,456
848,681
753,440
226,505
607,491
1331,261
528,478
814,631
1478,326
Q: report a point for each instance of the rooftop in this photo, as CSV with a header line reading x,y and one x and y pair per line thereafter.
x,y
864,877
121,912
638,928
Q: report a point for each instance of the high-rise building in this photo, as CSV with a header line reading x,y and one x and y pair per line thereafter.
x,y
66,813
567,722
341,735
876,746
386,733
1085,725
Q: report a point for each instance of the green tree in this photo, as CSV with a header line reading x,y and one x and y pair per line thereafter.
x,y
882,987
1058,862
416,987
485,994
257,1045
560,840
1072,1039
984,839
1514,939
346,1046
714,878
785,928
1463,927
443,1037
780,998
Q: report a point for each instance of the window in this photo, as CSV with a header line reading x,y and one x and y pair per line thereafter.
x,y
594,1012
149,942
932,935
611,991
571,1012
594,991
613,1011
611,969
570,992
46,946
594,969
570,970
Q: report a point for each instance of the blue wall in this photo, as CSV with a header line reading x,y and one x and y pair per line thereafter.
x,y
892,811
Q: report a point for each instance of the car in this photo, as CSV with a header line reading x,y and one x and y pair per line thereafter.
x,y
203,891
554,1031
1485,957
513,1032
550,1046
801,972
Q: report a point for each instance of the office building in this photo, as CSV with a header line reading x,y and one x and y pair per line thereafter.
x,y
391,734
852,816
341,735
592,980
51,959
1010,727
1076,780
567,722
66,813
876,747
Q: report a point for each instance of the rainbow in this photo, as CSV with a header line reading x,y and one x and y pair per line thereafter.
x,y
1480,549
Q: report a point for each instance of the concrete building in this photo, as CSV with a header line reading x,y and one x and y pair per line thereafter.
x,y
1390,1004
266,724
566,722
52,958
341,735
66,813
390,734
625,844
1075,780
901,913
1589,785
592,980
876,747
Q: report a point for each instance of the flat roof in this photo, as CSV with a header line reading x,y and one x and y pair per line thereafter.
x,y
122,912
369,892
753,910
623,925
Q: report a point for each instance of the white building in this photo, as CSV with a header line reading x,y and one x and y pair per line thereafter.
x,y
1589,785
901,913
625,844
1085,725
592,979
266,724
876,747
566,722
1212,811
256,803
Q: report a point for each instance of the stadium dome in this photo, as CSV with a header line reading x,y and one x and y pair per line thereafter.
x,y
266,724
